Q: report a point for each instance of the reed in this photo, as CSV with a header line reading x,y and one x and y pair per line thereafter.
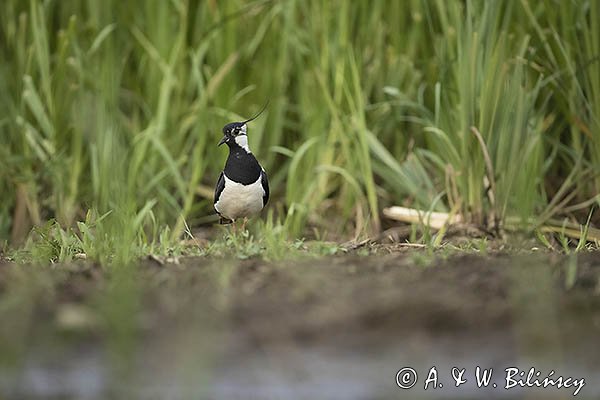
x,y
114,108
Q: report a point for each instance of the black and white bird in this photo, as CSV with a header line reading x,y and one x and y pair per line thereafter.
x,y
242,189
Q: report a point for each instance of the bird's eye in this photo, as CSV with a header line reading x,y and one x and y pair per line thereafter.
x,y
236,131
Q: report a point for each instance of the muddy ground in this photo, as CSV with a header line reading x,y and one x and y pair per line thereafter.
x,y
338,327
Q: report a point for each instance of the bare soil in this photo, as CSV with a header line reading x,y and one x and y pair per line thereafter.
x,y
333,327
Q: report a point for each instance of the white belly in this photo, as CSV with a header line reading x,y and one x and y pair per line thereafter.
x,y
237,200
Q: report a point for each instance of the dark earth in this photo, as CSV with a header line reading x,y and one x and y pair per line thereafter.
x,y
337,327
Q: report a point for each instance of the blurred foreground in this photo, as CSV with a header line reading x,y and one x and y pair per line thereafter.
x,y
336,328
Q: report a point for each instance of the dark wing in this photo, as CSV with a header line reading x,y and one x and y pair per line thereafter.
x,y
220,187
265,184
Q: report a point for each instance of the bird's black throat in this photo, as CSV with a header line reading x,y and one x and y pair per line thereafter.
x,y
241,166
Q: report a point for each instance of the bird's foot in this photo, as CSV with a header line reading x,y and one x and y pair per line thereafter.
x,y
225,221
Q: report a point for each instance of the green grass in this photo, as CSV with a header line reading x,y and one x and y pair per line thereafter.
x,y
111,111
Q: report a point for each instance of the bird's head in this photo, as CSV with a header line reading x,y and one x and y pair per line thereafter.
x,y
235,133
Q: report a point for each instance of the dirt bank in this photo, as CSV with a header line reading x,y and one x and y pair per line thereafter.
x,y
319,323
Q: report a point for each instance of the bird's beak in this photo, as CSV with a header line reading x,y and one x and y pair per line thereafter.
x,y
223,140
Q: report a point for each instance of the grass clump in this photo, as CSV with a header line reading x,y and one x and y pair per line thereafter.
x,y
489,110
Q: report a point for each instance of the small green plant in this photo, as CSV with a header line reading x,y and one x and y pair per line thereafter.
x,y
573,238
50,243
571,271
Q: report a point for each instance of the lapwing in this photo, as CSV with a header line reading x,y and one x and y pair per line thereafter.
x,y
242,189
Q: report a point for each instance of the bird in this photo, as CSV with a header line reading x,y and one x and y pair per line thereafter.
x,y
242,189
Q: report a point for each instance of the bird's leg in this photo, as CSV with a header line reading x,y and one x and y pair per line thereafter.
x,y
244,222
233,228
